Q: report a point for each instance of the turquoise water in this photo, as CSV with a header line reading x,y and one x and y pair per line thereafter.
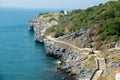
x,y
20,57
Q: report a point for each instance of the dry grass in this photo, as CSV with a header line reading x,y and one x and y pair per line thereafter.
x,y
48,16
111,75
51,34
90,62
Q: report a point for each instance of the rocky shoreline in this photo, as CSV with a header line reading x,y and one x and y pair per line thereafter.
x,y
77,62
71,60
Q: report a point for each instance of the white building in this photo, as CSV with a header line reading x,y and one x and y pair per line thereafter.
x,y
65,12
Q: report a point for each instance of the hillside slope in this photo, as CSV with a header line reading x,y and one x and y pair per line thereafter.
x,y
103,21
83,40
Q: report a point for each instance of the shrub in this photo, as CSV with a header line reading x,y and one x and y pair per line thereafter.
x,y
59,32
50,30
111,30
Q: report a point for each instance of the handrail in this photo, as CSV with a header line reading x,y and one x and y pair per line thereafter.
x,y
94,73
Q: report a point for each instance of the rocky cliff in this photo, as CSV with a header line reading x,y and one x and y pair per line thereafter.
x,y
41,23
72,60
74,50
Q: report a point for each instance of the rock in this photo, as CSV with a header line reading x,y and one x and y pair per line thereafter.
x,y
114,65
41,23
71,60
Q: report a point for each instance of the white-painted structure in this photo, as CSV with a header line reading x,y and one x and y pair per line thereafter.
x,y
65,12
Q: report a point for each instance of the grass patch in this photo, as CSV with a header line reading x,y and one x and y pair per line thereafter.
x,y
91,62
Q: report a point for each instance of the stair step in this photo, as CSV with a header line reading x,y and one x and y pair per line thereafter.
x,y
97,74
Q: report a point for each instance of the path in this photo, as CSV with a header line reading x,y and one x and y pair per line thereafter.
x,y
100,61
69,44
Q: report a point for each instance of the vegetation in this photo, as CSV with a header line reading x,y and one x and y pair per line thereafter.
x,y
110,31
108,15
59,32
50,30
90,62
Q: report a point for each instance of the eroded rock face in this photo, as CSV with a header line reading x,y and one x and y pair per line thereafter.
x,y
39,31
41,23
39,27
84,37
72,61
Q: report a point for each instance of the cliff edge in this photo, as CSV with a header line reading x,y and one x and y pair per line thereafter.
x,y
80,52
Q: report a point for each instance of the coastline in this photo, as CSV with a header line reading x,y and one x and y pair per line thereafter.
x,y
71,59
79,62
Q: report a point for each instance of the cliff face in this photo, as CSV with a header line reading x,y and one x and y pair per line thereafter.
x,y
41,23
38,27
82,38
72,60
74,49
82,62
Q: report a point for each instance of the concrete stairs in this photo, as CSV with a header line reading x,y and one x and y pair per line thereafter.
x,y
97,74
100,62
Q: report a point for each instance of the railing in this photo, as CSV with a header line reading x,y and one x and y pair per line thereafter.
x,y
94,73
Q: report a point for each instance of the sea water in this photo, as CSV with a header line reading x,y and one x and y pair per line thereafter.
x,y
20,57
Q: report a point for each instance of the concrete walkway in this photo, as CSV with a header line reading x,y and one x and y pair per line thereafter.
x,y
100,62
97,74
101,67
66,43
